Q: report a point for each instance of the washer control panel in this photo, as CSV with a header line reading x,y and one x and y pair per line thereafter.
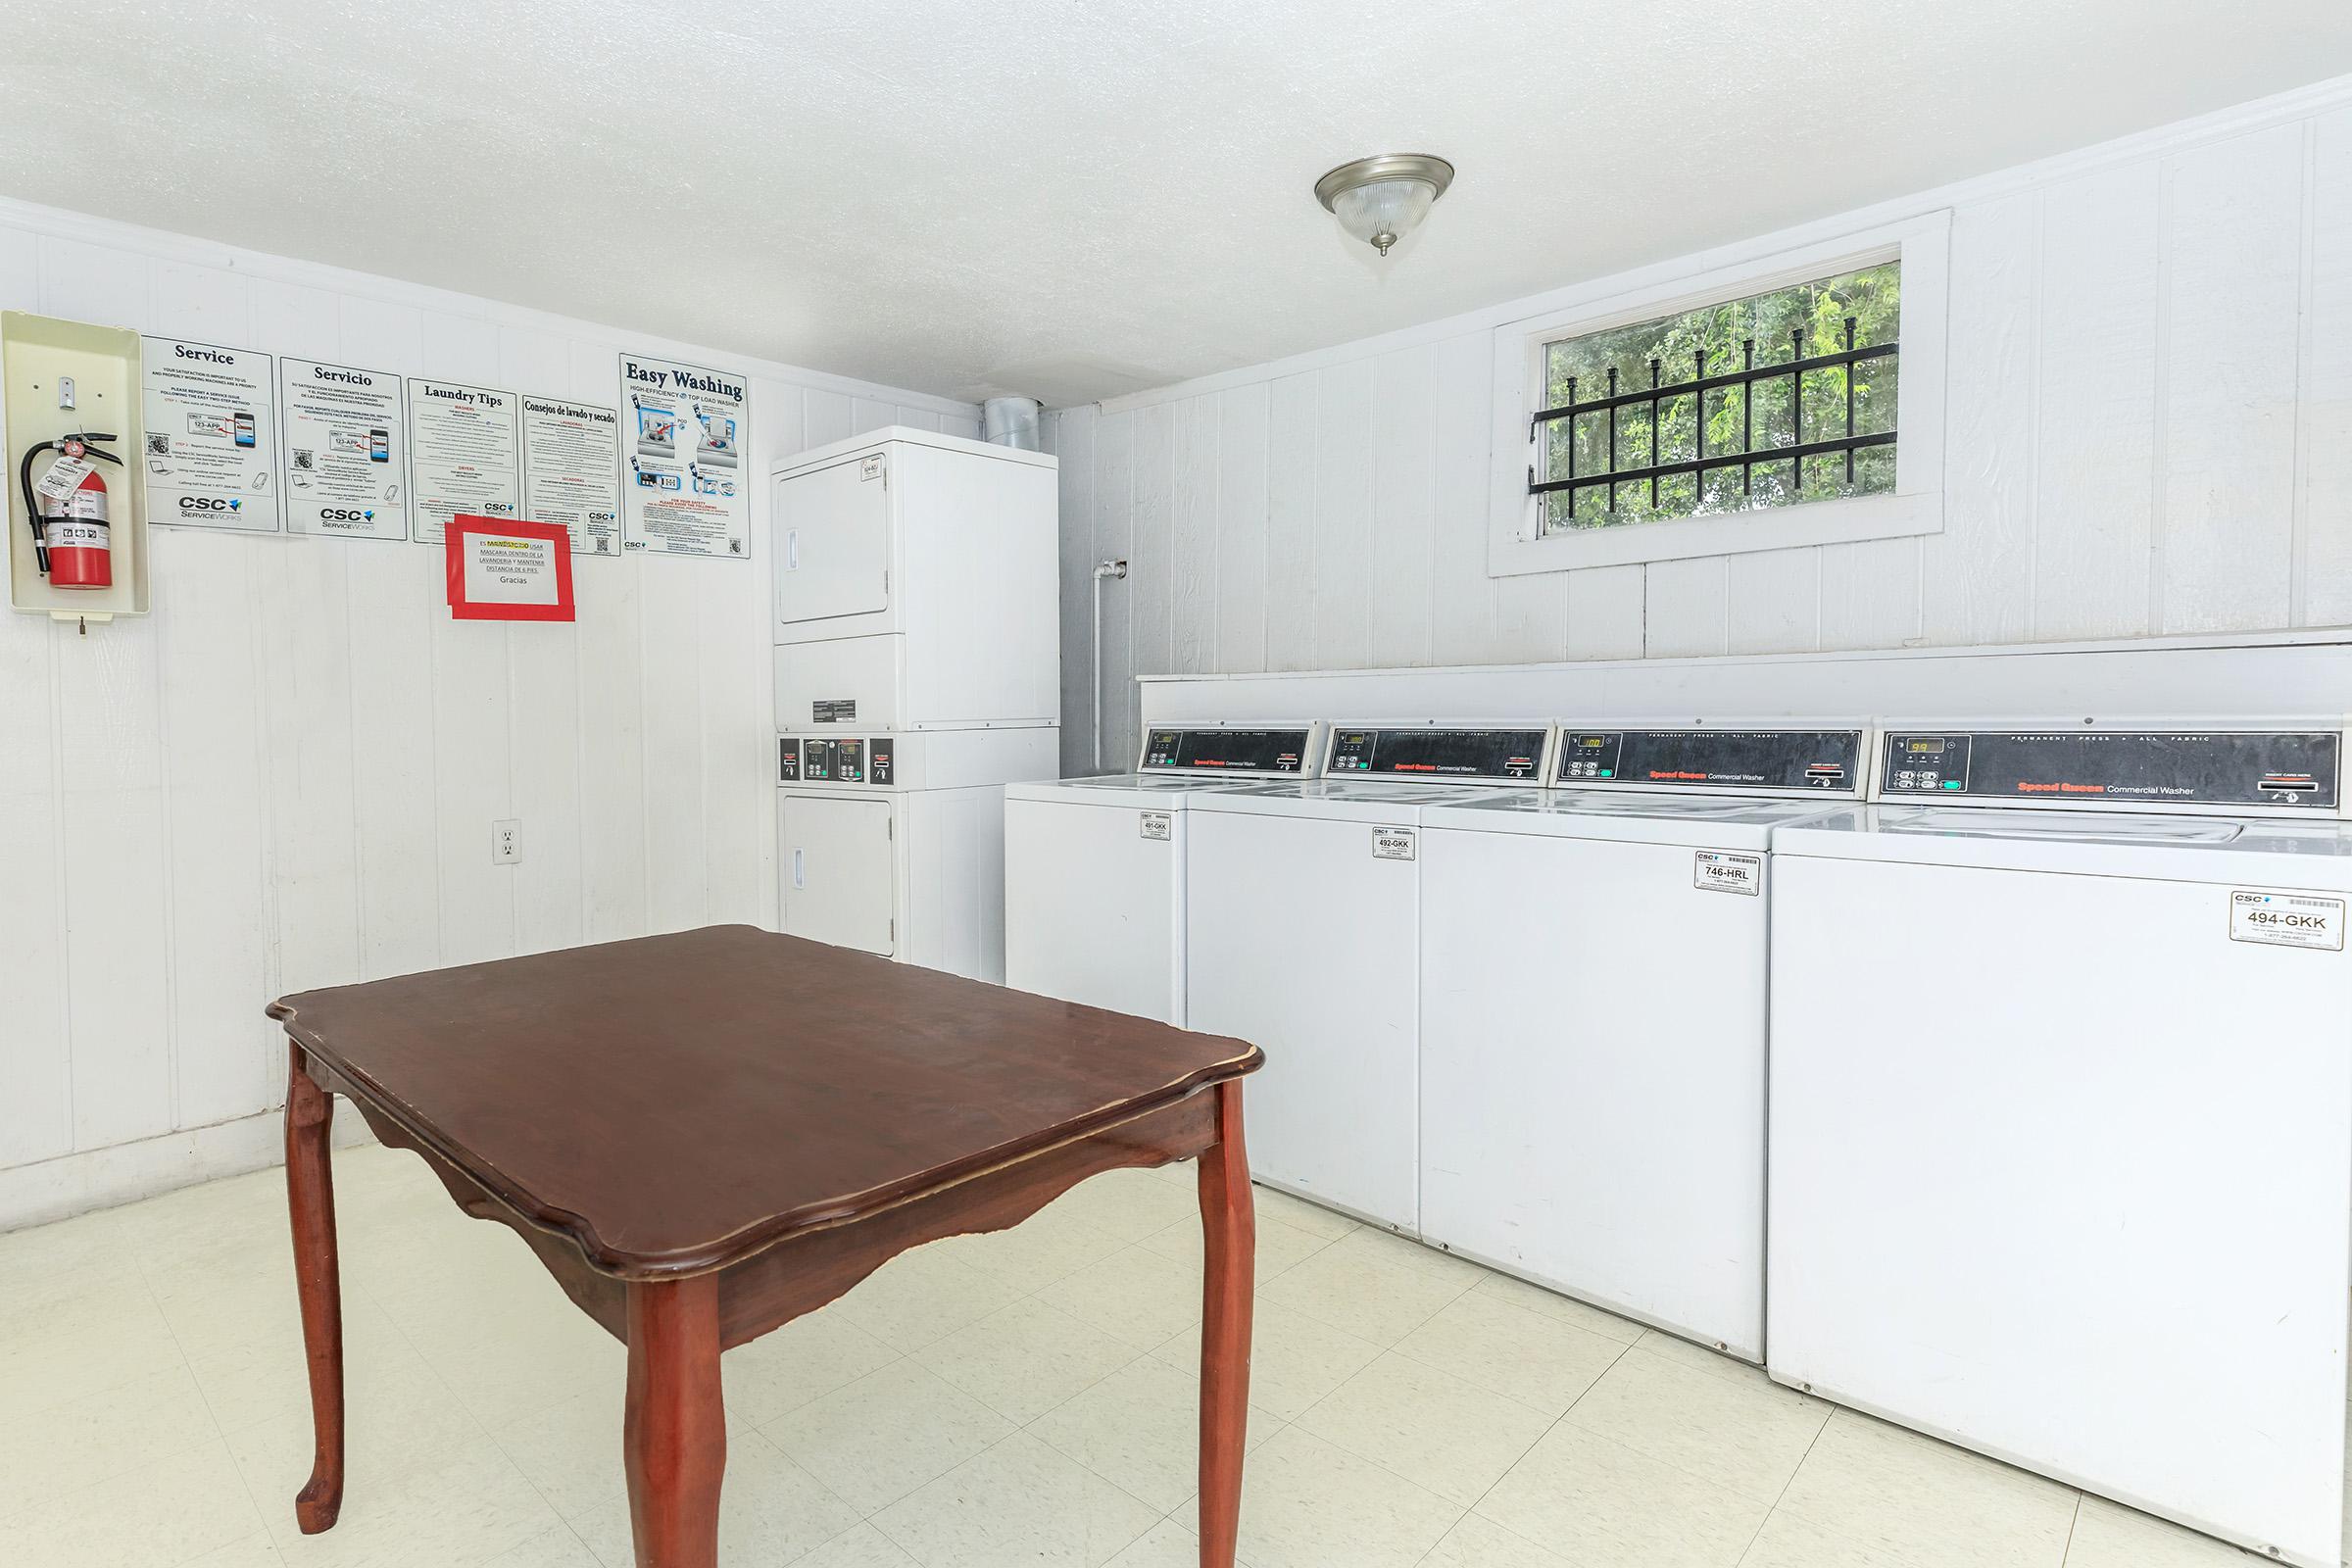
x,y
2142,770
1792,762
1471,755
1280,750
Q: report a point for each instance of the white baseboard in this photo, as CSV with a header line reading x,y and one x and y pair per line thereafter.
x,y
102,1178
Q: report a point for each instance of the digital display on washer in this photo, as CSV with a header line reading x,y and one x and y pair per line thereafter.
x,y
1226,751
1425,752
2268,769
1713,759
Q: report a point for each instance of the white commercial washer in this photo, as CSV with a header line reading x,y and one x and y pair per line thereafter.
x,y
2061,1130
1592,1016
1302,935
1094,867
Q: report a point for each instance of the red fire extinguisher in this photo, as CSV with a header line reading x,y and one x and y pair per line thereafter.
x,y
66,506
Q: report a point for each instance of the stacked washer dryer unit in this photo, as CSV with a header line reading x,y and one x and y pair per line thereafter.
x,y
2062,1111
1592,1016
916,674
1302,933
1094,867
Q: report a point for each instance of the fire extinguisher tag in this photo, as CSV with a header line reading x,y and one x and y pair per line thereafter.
x,y
64,477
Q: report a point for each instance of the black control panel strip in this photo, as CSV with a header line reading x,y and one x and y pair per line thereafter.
x,y
1219,750
1465,756
1821,761
815,759
2266,770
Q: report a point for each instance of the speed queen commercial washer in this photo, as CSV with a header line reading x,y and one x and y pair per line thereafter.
x,y
1302,935
2061,1136
1592,1016
1094,867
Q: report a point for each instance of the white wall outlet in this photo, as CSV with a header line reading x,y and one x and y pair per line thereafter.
x,y
506,841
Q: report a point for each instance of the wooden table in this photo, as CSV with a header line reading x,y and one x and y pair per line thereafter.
x,y
703,1136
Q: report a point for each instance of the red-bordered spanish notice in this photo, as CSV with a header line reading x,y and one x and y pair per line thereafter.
x,y
500,570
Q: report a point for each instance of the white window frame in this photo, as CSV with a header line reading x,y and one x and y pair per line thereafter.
x,y
1923,245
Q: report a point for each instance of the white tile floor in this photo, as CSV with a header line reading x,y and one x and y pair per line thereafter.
x,y
1023,1399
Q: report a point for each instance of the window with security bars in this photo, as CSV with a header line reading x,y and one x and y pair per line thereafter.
x,y
1776,400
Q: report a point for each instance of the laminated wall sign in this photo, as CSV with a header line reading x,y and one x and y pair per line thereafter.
x,y
571,470
502,569
464,455
345,439
210,455
684,432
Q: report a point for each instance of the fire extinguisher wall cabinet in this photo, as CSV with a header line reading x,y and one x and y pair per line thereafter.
x,y
66,379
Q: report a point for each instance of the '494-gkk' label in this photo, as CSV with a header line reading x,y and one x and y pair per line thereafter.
x,y
2286,919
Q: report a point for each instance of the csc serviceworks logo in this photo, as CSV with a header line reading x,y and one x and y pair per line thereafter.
x,y
210,504
345,515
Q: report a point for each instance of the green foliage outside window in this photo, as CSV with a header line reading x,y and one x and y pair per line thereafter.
x,y
1871,298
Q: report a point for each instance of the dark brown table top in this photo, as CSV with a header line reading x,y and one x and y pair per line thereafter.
x,y
676,1103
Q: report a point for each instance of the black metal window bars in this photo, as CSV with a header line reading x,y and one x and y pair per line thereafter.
x,y
1748,457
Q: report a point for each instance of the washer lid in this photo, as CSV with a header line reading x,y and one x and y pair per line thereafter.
x,y
1171,794
2312,853
1701,822
1340,800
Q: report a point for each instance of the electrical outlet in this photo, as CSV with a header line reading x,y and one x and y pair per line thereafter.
x,y
506,841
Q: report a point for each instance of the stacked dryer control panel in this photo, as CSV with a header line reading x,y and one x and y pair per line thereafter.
x,y
917,671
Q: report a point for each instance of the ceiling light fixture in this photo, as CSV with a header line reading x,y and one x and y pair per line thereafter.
x,y
1381,200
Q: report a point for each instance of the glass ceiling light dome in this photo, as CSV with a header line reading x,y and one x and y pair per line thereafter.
x,y
1381,200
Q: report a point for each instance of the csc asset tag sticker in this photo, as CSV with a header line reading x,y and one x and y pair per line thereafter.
x,y
1153,824
1720,871
1392,843
2286,919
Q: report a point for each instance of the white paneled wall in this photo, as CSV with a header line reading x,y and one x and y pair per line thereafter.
x,y
2149,431
285,776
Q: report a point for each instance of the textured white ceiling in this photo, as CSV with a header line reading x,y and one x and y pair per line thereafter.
x,y
1067,199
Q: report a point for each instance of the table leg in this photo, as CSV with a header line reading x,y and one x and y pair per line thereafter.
x,y
311,1203
674,1436
1229,1241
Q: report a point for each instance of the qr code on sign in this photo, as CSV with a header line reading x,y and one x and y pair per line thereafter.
x,y
304,457
158,444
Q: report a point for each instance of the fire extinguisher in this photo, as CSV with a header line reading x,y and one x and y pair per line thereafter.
x,y
71,528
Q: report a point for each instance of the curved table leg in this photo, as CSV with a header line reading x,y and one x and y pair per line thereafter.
x,y
311,1203
674,1436
1229,1240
